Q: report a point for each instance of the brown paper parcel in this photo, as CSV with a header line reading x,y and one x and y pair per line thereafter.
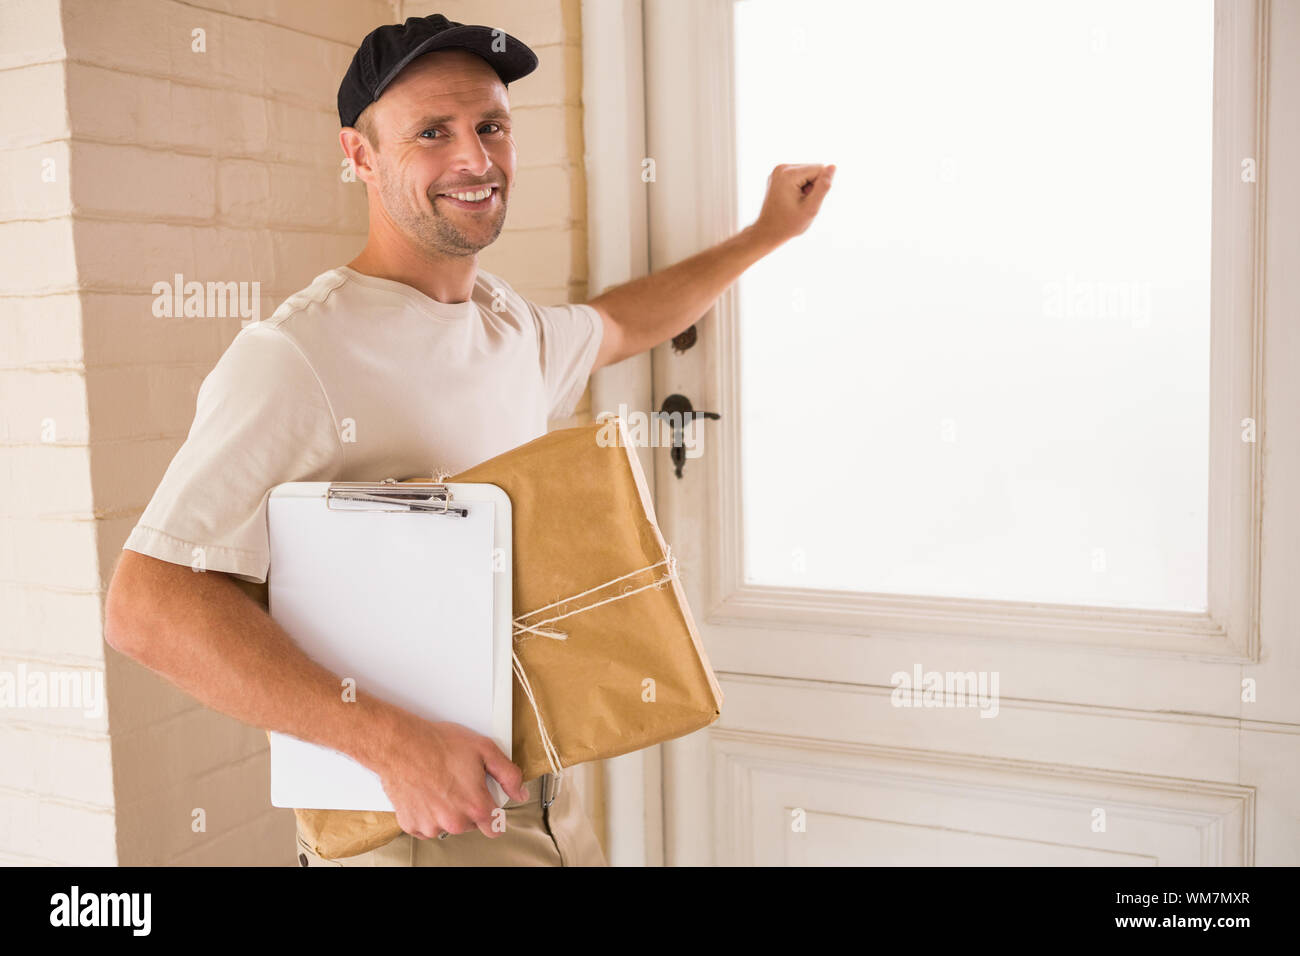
x,y
607,656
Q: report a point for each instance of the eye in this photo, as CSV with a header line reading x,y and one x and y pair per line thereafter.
x,y
436,130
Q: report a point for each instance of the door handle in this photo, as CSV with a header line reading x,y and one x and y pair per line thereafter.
x,y
678,412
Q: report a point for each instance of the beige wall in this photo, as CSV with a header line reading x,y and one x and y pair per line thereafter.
x,y
56,778
222,166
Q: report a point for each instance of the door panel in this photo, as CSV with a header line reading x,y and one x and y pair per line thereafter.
x,y
1140,735
991,351
909,808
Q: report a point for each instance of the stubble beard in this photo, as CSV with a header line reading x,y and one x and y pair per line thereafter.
x,y
438,234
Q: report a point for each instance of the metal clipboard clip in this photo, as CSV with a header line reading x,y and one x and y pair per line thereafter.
x,y
429,497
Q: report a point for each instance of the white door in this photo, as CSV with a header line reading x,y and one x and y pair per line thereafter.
x,y
993,547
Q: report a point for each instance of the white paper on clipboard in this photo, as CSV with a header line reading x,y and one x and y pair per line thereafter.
x,y
415,606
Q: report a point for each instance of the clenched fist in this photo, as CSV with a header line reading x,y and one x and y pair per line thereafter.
x,y
794,195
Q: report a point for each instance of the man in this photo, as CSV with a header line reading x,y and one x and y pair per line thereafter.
x,y
407,361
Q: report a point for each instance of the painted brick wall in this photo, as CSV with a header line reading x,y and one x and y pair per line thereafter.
x,y
128,155
56,780
214,156
219,163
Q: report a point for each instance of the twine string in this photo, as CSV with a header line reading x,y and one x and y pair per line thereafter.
x,y
521,629
537,629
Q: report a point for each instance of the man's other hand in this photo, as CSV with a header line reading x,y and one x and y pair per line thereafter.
x,y
435,777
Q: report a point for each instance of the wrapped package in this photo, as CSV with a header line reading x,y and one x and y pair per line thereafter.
x,y
607,658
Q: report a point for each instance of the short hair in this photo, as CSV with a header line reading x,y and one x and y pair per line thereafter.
x,y
365,125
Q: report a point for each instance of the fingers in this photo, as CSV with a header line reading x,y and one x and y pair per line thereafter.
x,y
508,774
485,825
448,824
453,796
478,815
805,175
480,810
419,831
462,814
815,180
819,189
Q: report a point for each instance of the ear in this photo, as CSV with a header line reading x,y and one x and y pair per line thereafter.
x,y
358,150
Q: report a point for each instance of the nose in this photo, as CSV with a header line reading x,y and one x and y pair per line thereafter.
x,y
470,158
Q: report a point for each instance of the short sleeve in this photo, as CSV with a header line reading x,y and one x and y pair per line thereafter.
x,y
568,338
261,418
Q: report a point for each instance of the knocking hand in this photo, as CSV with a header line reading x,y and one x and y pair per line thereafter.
x,y
794,195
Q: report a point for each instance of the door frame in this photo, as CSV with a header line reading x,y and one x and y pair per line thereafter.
x,y
613,100
745,624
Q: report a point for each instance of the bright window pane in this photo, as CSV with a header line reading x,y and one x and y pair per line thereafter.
x,y
984,371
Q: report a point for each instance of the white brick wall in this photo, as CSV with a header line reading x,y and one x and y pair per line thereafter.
x,y
56,801
222,166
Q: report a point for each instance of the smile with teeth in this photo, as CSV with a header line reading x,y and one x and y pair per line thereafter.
x,y
473,197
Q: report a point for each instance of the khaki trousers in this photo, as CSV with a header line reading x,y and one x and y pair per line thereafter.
x,y
558,835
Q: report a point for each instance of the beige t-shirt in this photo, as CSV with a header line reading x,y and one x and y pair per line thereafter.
x,y
357,378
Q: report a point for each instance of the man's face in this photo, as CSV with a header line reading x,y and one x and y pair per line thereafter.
x,y
444,127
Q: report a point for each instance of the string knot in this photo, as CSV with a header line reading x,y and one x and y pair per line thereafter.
x,y
537,629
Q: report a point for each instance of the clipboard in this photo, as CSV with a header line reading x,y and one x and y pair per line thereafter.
x,y
404,589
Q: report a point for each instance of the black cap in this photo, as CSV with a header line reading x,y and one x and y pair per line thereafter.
x,y
385,52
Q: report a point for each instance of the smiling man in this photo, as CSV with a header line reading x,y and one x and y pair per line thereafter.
x,y
408,361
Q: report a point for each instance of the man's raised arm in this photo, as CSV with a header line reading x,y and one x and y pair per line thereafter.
x,y
640,314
